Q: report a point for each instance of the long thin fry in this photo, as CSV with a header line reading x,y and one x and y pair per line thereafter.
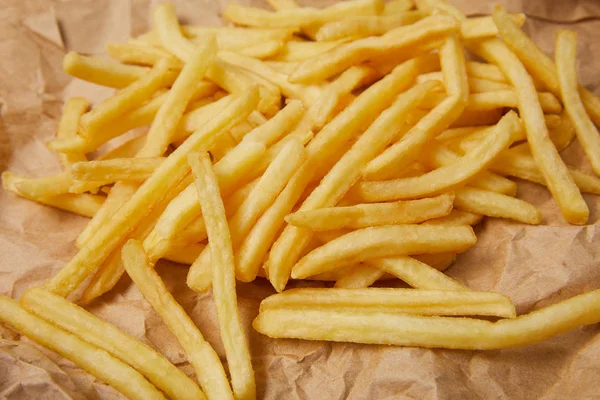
x,y
68,126
201,355
340,179
566,67
74,319
494,204
94,360
384,241
221,254
444,332
560,183
404,301
365,215
359,27
116,169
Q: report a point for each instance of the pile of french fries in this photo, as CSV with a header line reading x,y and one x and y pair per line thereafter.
x,y
352,144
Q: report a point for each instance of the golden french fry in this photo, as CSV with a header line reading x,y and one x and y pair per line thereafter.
x,y
477,118
365,215
497,205
85,205
447,177
89,357
439,261
85,325
235,37
361,276
135,53
344,56
522,165
456,217
299,17
556,174
423,331
476,85
123,101
364,26
403,301
201,355
404,152
566,67
498,99
68,126
116,169
384,241
341,178
44,187
186,255
483,27
260,198
294,51
221,255
102,71
175,167
482,70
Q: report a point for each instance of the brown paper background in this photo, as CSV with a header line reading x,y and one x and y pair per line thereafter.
x,y
534,265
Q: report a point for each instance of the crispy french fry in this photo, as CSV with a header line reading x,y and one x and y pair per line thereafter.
x,y
201,355
360,27
294,51
94,360
46,186
422,331
384,241
482,70
79,322
566,67
259,199
538,63
103,72
333,135
498,99
483,27
447,177
403,301
175,167
221,254
135,53
476,85
361,276
85,205
299,17
365,215
68,126
235,37
116,169
404,152
556,174
457,217
344,56
341,178
494,204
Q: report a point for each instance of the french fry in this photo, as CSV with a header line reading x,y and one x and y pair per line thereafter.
x,y
447,177
422,331
139,54
236,37
102,71
556,174
483,27
221,254
115,229
79,322
408,269
403,152
85,205
201,355
476,85
498,99
365,215
68,126
299,17
92,359
187,255
46,186
333,135
123,101
360,27
403,301
497,205
538,63
294,51
259,199
440,261
341,178
456,217
344,56
383,241
566,67
481,70
361,276
116,169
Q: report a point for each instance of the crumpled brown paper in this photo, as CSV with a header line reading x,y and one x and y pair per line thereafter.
x,y
534,265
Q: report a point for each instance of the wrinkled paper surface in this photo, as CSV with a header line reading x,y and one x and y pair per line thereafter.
x,y
534,265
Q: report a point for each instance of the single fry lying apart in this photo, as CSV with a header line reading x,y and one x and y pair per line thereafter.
x,y
365,215
445,332
87,356
403,301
